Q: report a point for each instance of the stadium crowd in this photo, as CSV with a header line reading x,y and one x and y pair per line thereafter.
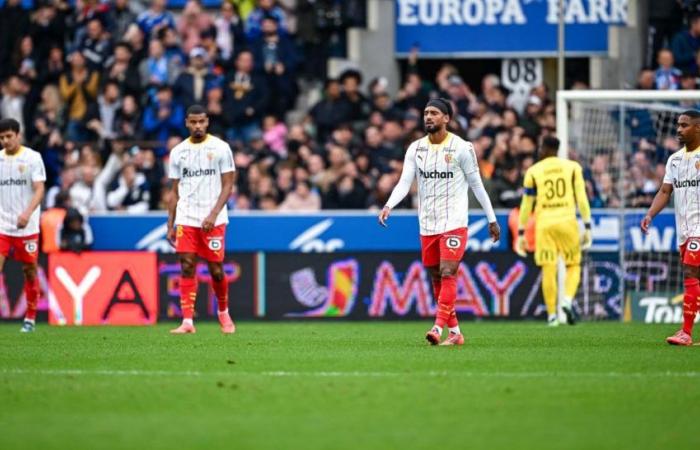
x,y
101,87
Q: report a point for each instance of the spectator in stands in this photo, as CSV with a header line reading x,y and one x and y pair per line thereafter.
x,y
76,235
245,99
686,44
153,170
24,60
174,54
275,57
47,29
330,112
122,71
67,178
667,76
413,94
132,192
356,102
348,192
192,22
155,70
193,84
665,19
646,79
529,119
275,134
137,40
48,119
128,119
230,36
383,104
393,140
302,198
14,21
86,11
96,46
163,117
506,187
643,184
380,156
81,191
607,194
50,70
215,111
121,15
13,104
460,94
265,8
78,87
284,180
101,116
155,18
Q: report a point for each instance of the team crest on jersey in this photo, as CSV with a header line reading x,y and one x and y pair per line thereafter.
x,y
697,164
22,168
30,246
210,155
448,158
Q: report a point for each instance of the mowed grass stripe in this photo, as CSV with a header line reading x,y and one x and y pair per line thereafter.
x,y
325,374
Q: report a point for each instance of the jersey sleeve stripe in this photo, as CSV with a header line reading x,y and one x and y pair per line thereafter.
x,y
531,191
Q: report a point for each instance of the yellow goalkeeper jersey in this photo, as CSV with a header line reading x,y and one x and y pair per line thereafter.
x,y
556,185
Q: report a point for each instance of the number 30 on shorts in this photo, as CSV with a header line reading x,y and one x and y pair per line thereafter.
x,y
453,242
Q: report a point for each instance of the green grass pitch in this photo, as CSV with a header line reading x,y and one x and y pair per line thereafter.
x,y
348,386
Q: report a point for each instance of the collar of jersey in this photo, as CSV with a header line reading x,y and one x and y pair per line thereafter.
x,y
19,152
690,152
199,143
431,145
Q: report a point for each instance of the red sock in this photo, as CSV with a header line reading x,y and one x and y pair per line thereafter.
x,y
690,303
31,292
448,297
221,290
188,294
452,321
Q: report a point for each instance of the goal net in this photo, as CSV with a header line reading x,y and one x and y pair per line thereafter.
x,y
623,139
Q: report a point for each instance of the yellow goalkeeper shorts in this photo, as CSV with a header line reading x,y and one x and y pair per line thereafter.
x,y
557,239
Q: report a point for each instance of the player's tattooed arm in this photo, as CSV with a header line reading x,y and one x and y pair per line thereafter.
x,y
661,199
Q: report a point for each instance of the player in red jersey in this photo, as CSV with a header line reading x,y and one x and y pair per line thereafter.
x,y
22,177
201,168
682,180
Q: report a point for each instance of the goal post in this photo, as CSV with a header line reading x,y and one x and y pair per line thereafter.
x,y
622,138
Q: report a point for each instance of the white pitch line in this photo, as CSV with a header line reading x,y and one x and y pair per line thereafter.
x,y
351,374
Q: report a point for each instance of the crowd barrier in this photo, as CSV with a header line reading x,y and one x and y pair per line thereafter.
x,y
334,266
351,232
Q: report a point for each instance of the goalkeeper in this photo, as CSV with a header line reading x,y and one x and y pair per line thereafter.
x,y
555,185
